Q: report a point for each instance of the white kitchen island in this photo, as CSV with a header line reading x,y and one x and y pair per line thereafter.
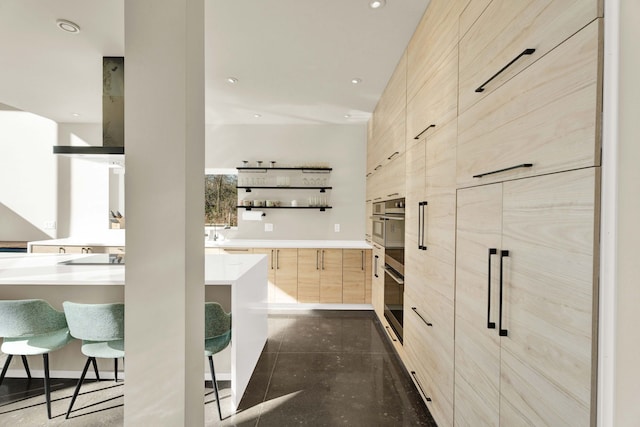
x,y
243,278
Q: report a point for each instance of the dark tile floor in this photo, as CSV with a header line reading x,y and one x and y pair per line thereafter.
x,y
319,368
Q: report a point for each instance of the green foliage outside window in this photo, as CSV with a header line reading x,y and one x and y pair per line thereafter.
x,y
221,199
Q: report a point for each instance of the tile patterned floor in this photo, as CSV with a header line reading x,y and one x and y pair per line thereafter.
x,y
319,368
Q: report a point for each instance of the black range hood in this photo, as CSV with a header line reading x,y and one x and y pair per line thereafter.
x,y
112,114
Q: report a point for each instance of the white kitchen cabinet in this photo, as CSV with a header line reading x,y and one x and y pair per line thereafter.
x,y
526,287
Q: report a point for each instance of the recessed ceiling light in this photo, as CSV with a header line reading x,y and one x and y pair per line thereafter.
x,y
75,114
68,26
356,80
347,116
257,115
232,80
377,4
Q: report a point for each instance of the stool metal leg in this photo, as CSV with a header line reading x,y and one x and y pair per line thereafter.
x,y
215,385
5,367
95,368
47,389
75,392
26,366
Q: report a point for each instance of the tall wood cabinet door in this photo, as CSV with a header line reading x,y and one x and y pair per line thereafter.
x,y
353,276
415,163
477,347
440,212
331,276
550,288
309,275
377,281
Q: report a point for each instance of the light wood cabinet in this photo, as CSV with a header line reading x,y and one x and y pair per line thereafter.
x,y
68,249
505,29
354,268
282,274
430,268
331,276
377,280
320,276
525,290
546,119
433,40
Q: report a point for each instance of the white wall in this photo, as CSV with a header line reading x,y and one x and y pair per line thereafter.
x,y
83,184
28,168
342,147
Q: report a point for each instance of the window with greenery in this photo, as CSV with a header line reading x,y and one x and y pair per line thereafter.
x,y
220,200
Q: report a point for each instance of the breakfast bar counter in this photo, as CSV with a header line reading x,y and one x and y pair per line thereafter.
x,y
239,282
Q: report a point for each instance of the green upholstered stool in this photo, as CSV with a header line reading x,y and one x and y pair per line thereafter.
x,y
217,333
32,327
101,329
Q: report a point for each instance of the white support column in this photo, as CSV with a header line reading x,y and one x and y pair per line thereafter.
x,y
164,140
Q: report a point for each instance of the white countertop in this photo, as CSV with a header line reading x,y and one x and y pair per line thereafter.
x,y
44,269
323,244
117,239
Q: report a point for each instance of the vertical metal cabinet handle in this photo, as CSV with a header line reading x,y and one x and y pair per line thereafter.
x,y
422,224
362,253
375,265
503,332
490,324
322,259
317,259
413,374
277,259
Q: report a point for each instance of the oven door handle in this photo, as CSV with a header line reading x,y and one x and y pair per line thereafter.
x,y
393,275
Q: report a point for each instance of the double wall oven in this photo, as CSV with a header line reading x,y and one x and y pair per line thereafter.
x,y
388,231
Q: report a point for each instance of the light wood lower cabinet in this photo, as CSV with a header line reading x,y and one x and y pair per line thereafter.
x,y
331,276
282,273
68,249
354,271
526,269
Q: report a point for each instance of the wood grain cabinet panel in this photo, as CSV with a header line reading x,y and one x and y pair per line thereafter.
x,y
433,40
331,276
354,267
508,27
436,102
308,275
548,116
536,365
282,274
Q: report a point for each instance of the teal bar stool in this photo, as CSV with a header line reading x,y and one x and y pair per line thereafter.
x,y
217,332
101,329
32,327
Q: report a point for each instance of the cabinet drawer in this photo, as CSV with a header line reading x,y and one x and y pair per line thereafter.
x,y
547,117
436,102
508,27
429,353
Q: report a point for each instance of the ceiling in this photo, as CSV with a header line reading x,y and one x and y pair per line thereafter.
x,y
294,59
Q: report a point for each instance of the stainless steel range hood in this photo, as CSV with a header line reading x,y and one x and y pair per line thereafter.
x,y
112,116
